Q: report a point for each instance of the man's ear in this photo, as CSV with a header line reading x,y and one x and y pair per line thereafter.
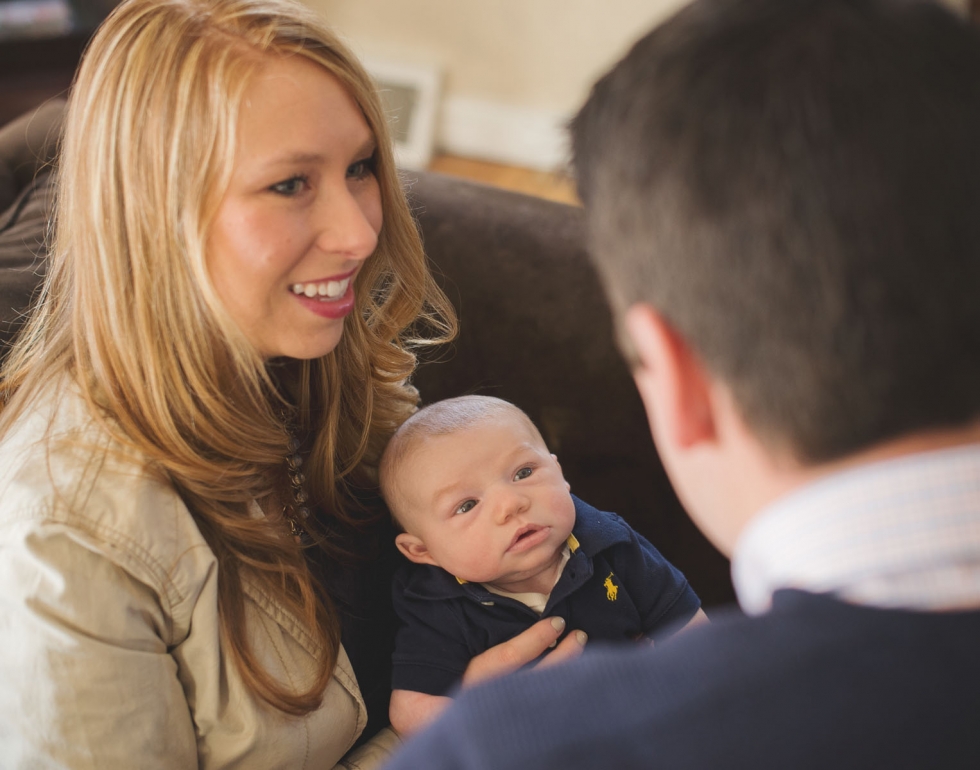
x,y
414,549
673,383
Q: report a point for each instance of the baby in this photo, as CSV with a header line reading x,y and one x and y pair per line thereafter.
x,y
495,541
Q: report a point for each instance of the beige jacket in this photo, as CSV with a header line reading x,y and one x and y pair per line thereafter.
x,y
110,652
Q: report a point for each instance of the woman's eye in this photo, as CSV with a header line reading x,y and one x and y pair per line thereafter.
x,y
466,507
362,168
289,187
523,473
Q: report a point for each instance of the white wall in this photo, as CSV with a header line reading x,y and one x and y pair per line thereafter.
x,y
513,70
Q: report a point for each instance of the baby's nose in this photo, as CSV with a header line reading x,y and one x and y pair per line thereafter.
x,y
512,504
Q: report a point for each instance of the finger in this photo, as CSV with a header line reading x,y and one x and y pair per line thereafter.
x,y
514,653
571,647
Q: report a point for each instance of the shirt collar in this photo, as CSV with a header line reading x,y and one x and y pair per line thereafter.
x,y
897,533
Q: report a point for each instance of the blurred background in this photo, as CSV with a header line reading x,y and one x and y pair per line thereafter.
x,y
512,72
477,88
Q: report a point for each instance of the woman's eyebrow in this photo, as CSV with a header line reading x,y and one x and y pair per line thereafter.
x,y
296,158
366,149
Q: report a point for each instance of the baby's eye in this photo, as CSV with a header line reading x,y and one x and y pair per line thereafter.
x,y
523,473
362,168
290,187
466,507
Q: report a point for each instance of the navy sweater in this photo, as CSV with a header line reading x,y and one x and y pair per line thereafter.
x,y
815,683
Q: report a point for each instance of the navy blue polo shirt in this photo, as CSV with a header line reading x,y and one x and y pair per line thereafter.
x,y
616,587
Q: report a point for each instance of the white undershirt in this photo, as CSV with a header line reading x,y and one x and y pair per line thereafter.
x,y
532,599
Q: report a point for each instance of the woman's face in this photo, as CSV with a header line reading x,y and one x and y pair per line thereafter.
x,y
301,214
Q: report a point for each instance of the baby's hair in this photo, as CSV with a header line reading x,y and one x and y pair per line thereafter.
x,y
439,419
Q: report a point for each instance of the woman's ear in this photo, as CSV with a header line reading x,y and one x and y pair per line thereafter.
x,y
673,383
414,549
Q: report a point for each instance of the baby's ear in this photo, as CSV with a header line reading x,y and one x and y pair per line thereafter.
x,y
414,549
555,458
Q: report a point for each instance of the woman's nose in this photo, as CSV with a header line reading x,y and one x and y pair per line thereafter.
x,y
349,225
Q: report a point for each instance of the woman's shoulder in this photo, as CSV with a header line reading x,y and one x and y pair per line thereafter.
x,y
63,474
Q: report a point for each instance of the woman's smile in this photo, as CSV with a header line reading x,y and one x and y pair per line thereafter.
x,y
328,297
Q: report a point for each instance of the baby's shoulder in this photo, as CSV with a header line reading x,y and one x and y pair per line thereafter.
x,y
597,530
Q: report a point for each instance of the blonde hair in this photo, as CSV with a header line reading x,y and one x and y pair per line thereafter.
x,y
441,418
129,310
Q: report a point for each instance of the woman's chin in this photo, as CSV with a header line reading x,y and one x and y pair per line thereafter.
x,y
305,348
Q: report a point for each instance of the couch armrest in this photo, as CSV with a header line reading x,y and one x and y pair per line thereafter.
x,y
27,145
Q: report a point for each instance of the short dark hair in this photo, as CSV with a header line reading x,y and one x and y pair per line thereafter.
x,y
795,186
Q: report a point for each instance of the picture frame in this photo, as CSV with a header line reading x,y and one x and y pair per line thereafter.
x,y
410,96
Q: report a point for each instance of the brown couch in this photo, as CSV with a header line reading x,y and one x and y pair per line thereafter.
x,y
535,330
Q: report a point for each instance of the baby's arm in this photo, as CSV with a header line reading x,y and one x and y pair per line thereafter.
x,y
697,620
430,658
410,711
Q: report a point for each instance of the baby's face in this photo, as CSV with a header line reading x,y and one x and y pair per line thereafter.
x,y
489,503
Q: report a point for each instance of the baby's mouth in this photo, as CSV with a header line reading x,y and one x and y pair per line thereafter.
x,y
523,535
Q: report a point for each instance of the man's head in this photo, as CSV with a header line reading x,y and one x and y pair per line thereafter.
x,y
793,186
473,485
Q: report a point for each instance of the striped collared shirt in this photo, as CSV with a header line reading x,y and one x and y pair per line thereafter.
x,y
901,533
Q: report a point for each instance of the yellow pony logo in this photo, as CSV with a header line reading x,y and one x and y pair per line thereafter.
x,y
612,590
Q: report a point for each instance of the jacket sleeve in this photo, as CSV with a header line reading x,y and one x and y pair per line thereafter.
x,y
431,652
658,589
373,754
87,680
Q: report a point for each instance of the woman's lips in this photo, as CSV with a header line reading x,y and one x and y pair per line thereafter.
x,y
331,297
527,537
329,307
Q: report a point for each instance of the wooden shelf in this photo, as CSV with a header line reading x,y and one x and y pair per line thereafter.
x,y
553,186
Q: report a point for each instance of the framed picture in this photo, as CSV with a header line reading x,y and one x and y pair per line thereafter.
x,y
410,95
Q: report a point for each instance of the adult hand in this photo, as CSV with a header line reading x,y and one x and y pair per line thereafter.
x,y
522,649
